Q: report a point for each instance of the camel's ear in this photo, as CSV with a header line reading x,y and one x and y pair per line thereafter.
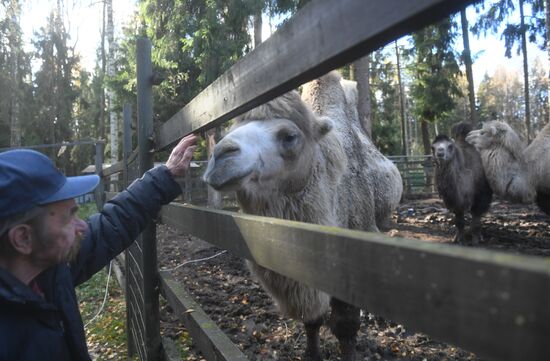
x,y
323,126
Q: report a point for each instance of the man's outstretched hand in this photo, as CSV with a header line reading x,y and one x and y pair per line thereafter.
x,y
178,162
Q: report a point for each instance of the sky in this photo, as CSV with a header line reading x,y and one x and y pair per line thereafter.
x,y
488,52
84,26
86,18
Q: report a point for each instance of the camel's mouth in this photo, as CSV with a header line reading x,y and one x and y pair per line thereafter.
x,y
472,137
226,177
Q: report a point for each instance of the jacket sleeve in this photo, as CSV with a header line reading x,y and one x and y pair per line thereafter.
x,y
122,219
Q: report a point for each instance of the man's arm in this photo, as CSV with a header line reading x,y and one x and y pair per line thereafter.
x,y
122,219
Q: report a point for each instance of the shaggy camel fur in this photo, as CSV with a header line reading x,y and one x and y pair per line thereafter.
x,y
285,162
460,180
383,184
515,172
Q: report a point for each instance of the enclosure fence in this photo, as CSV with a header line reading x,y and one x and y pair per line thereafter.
x,y
490,303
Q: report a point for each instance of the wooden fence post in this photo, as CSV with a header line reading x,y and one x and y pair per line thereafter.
x,y
126,151
99,192
126,140
147,239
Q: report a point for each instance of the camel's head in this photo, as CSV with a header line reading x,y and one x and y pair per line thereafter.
x,y
493,133
269,149
443,149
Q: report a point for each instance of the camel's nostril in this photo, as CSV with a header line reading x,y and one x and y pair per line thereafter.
x,y
227,151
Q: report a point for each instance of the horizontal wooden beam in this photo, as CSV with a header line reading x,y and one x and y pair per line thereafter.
x,y
110,195
324,35
133,156
491,303
115,168
208,338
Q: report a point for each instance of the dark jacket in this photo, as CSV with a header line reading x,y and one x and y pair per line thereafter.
x,y
50,328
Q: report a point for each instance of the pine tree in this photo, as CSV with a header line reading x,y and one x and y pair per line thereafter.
x,y
15,91
492,18
54,91
435,76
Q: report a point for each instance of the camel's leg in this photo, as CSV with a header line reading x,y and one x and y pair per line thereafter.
x,y
459,223
344,324
476,229
313,349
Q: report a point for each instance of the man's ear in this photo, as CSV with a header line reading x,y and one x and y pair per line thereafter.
x,y
20,238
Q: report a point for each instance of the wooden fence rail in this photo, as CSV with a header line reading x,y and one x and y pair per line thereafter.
x,y
492,303
322,36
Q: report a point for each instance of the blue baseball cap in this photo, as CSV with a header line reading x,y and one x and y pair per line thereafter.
x,y
29,178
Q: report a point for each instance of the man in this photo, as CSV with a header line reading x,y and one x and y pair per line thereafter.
x,y
46,250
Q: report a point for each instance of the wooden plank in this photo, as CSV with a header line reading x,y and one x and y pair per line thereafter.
x,y
133,334
133,171
170,351
322,36
133,156
110,195
136,258
494,304
115,168
208,338
137,314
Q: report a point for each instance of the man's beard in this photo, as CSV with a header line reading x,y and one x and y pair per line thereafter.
x,y
73,252
46,241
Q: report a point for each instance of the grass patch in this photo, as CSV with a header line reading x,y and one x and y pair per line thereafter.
x,y
106,334
85,210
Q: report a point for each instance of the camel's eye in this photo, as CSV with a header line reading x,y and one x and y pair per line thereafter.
x,y
288,140
450,147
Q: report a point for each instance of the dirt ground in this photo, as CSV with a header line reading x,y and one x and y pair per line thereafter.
x,y
228,294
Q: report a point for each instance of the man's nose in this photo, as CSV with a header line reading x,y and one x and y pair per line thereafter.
x,y
80,225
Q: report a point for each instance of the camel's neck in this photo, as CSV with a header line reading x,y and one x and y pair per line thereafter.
x,y
545,132
541,141
508,174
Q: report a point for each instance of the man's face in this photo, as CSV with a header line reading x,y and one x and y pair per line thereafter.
x,y
58,239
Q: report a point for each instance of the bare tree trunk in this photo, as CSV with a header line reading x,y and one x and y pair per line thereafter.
x,y
258,28
101,125
361,74
15,122
113,119
468,64
404,130
525,73
547,13
428,169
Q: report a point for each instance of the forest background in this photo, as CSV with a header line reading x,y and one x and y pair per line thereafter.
x,y
417,86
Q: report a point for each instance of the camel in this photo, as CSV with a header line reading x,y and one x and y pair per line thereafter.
x,y
285,161
516,173
460,180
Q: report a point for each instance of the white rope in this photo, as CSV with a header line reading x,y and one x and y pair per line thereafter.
x,y
193,261
104,297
